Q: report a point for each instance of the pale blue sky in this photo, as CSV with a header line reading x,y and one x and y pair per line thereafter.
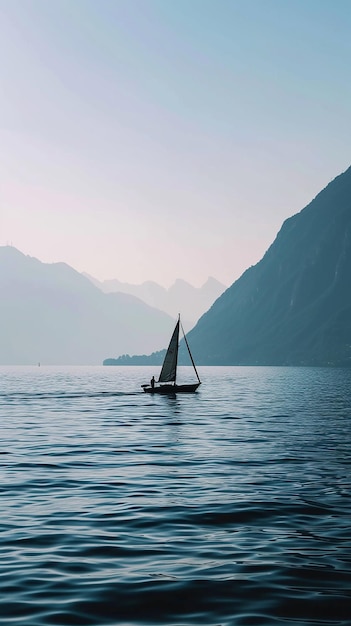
x,y
157,139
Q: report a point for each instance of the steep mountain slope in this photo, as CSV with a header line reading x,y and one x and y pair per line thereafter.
x,y
294,306
52,314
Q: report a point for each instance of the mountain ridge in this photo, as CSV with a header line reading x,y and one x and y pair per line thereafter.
x,y
291,308
181,296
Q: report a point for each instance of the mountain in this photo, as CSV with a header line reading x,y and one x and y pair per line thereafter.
x,y
53,314
294,306
181,297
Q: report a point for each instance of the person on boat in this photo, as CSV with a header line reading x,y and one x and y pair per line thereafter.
x,y
152,382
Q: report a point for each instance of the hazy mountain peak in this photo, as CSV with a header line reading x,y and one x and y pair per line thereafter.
x,y
182,297
179,282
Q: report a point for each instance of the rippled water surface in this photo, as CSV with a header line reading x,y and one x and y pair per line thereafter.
x,y
230,506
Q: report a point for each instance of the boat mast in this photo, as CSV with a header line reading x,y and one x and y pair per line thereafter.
x,y
176,367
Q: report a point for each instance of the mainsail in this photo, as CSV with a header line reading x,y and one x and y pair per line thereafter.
x,y
169,368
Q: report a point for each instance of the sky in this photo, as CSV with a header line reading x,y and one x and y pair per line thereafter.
x,y
164,139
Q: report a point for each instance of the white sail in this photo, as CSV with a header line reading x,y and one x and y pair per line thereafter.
x,y
169,367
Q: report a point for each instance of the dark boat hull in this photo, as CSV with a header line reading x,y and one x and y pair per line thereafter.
x,y
171,389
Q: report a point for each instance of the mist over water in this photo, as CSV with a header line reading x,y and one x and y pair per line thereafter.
x,y
227,507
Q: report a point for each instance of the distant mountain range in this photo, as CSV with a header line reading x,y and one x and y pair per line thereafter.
x,y
181,297
50,313
294,306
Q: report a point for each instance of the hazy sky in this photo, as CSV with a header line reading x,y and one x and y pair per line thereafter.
x,y
164,139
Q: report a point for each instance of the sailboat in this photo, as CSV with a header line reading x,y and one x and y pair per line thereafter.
x,y
168,376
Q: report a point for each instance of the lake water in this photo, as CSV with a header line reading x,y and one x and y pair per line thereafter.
x,y
228,507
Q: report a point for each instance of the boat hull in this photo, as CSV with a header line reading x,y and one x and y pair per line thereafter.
x,y
171,389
